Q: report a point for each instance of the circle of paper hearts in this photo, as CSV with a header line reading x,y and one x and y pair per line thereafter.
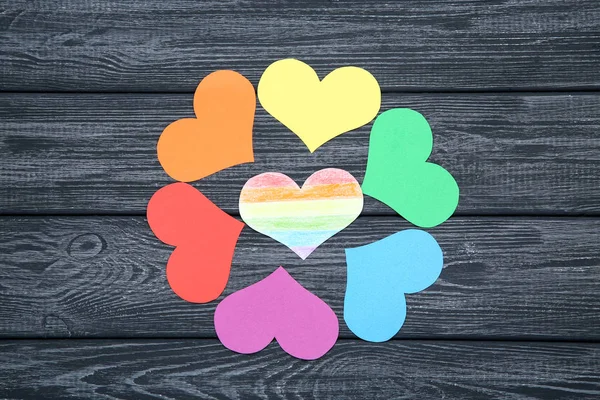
x,y
278,307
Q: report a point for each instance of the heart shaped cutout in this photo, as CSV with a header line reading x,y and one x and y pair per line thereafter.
x,y
317,111
380,273
221,134
277,307
302,219
397,172
205,238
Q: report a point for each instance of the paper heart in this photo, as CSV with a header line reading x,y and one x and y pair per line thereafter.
x,y
278,308
221,134
397,172
274,205
378,276
205,236
317,111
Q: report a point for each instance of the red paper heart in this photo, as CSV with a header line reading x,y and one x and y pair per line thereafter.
x,y
205,238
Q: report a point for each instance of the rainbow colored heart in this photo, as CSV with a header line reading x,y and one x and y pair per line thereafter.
x,y
301,218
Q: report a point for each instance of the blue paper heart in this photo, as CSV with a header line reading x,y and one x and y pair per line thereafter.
x,y
380,273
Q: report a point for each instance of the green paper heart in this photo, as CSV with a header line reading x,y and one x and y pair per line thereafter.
x,y
399,175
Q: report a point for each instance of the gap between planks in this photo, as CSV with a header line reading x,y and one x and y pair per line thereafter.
x,y
420,91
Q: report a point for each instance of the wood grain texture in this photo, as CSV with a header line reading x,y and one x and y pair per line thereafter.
x,y
64,153
523,282
517,278
178,369
154,45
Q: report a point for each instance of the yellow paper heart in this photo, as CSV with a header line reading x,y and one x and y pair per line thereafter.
x,y
317,111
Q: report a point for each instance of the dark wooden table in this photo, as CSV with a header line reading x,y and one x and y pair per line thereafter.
x,y
511,90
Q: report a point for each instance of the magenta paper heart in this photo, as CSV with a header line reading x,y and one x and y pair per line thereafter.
x,y
278,308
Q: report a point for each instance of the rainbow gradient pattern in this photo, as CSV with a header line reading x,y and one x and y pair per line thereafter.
x,y
301,218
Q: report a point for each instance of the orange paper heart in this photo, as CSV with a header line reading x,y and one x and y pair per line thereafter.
x,y
221,134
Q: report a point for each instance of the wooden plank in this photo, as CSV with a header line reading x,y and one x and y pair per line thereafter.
x,y
153,45
177,369
520,278
523,153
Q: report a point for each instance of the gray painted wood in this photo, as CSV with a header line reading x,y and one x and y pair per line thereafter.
x,y
504,278
182,369
156,45
511,154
